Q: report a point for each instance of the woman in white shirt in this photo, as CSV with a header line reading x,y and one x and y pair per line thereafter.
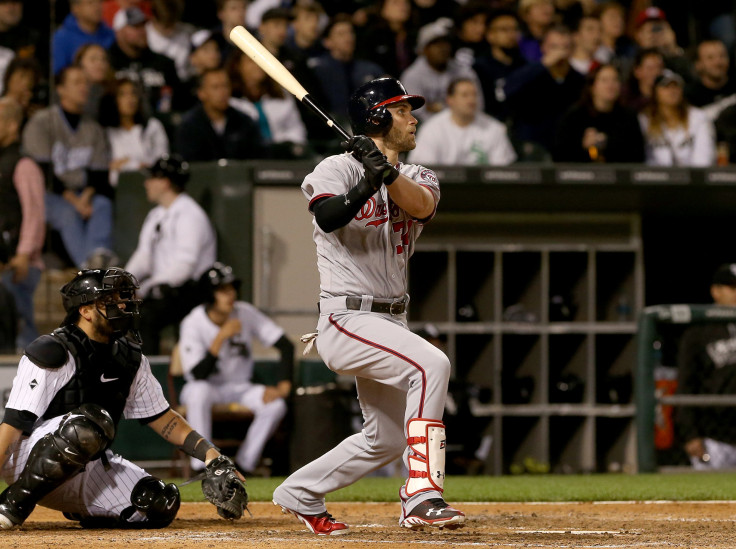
x,y
676,134
275,111
135,142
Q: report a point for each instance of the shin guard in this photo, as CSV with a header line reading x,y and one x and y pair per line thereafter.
x,y
426,440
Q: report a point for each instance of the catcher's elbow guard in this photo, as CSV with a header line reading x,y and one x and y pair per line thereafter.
x,y
426,439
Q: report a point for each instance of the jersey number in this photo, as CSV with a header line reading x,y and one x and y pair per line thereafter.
x,y
404,228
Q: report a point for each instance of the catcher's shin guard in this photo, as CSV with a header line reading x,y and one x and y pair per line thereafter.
x,y
426,440
157,501
82,436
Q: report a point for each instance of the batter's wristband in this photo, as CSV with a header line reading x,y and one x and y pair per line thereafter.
x,y
196,446
391,176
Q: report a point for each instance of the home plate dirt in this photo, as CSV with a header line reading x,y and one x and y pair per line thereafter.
x,y
499,525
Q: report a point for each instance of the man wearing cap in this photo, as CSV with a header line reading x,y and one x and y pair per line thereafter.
x,y
176,245
431,73
167,34
82,26
204,54
706,364
131,58
654,31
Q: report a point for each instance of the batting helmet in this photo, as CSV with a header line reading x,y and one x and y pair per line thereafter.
x,y
367,106
173,167
214,277
92,285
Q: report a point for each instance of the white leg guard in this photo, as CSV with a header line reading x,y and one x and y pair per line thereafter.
x,y
426,439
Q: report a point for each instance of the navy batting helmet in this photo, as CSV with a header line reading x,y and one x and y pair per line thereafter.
x,y
92,285
173,167
216,276
367,107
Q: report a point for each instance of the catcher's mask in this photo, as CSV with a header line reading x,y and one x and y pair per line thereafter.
x,y
107,290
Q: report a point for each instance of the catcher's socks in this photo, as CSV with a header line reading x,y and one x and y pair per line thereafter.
x,y
433,512
322,524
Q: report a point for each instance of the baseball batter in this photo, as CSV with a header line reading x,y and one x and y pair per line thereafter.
x,y
369,210
71,390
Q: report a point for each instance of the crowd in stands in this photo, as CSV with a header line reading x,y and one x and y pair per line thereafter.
x,y
116,84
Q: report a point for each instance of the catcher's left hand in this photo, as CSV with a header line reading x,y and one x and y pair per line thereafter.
x,y
223,488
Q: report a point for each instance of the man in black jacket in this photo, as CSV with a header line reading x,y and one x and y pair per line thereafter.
x,y
707,365
213,129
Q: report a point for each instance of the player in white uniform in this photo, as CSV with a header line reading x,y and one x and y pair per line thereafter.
x,y
215,346
369,210
71,389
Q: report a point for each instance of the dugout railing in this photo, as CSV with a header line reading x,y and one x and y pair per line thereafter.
x,y
647,397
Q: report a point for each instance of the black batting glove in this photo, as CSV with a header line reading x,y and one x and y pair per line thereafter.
x,y
359,145
376,168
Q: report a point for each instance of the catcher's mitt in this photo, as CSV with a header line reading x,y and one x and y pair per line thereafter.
x,y
223,489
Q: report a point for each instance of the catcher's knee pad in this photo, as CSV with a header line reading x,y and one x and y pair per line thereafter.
x,y
158,501
85,433
426,439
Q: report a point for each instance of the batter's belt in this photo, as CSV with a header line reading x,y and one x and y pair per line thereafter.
x,y
391,307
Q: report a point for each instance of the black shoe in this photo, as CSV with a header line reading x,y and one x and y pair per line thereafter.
x,y
433,512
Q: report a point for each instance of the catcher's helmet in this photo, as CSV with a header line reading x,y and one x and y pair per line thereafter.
x,y
92,285
173,167
214,277
367,106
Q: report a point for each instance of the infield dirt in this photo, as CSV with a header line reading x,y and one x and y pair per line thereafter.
x,y
499,525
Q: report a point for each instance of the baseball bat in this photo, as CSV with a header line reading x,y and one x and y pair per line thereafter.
x,y
273,67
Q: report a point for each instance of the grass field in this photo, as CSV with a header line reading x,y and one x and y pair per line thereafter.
x,y
528,488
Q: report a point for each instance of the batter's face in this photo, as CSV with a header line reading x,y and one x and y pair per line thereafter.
x,y
402,135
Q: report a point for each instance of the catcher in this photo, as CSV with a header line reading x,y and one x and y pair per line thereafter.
x,y
71,390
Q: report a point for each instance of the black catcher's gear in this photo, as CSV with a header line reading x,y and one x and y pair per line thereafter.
x,y
82,436
367,106
223,489
214,277
96,285
172,167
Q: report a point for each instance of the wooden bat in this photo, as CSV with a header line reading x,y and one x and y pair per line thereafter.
x,y
273,67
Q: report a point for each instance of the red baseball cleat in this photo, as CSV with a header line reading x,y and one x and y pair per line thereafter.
x,y
322,524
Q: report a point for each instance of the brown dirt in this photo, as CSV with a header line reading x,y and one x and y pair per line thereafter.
x,y
498,525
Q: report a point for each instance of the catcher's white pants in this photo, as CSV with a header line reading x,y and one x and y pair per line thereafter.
x,y
199,396
399,376
722,456
92,492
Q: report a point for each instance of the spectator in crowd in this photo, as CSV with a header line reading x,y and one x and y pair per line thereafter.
x,y
504,58
256,9
306,28
217,360
167,35
648,64
586,40
615,44
136,141
725,126
176,245
676,134
111,7
24,41
434,69
706,365
231,13
82,26
340,68
204,55
713,90
462,134
654,31
535,120
388,38
72,151
93,60
471,21
131,58
538,17
20,82
427,11
213,129
598,128
22,219
261,98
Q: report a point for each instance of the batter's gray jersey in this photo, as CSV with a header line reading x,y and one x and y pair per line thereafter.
x,y
369,255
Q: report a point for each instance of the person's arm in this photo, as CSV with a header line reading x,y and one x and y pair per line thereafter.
x,y
174,429
689,373
29,185
9,437
286,366
208,364
704,142
413,198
